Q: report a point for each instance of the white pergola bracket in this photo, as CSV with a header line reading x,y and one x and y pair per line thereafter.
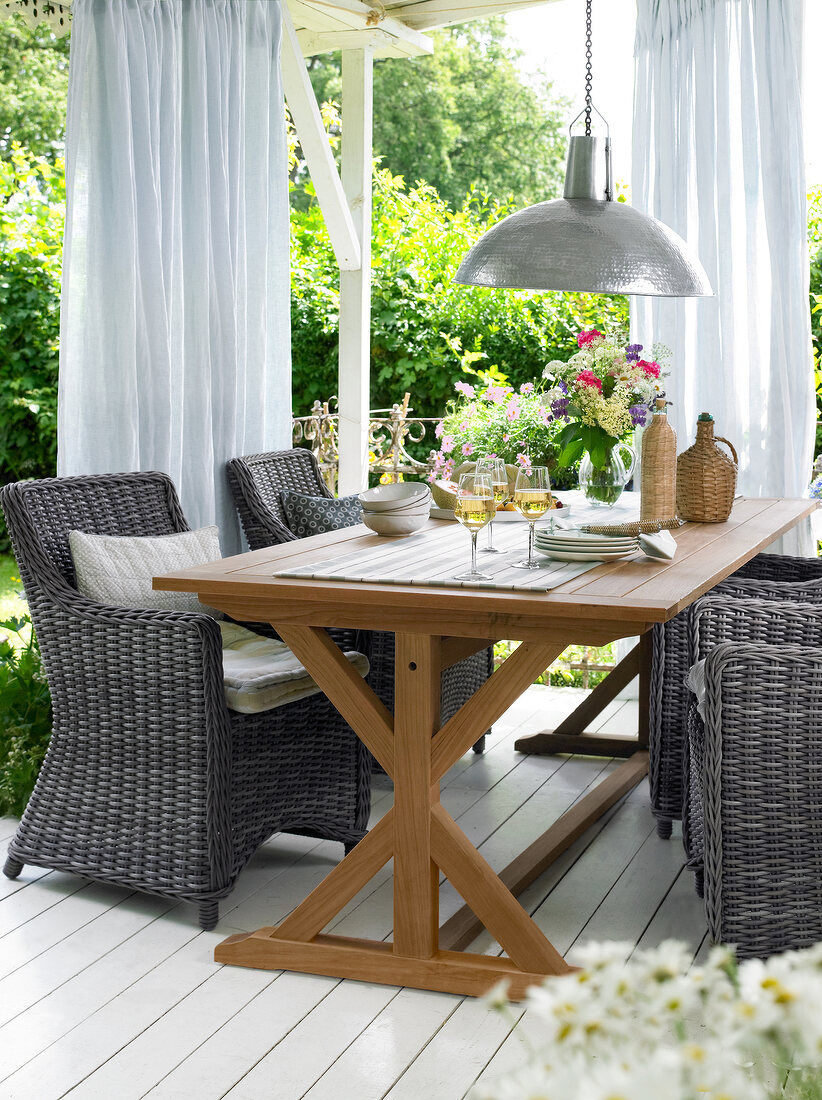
x,y
305,111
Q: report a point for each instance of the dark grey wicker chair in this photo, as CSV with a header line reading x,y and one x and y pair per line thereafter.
x,y
256,482
150,781
754,807
765,577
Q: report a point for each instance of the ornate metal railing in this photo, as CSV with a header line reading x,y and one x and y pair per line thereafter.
x,y
390,431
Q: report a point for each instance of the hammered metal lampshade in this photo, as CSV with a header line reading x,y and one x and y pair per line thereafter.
x,y
585,241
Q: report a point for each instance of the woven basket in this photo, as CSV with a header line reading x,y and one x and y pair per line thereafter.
x,y
706,477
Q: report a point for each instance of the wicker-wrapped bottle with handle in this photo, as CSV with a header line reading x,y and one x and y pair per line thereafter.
x,y
706,476
658,476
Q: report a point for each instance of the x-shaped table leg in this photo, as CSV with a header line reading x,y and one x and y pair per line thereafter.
x,y
420,835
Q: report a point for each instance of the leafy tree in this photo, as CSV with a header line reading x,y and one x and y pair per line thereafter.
x,y
33,88
463,116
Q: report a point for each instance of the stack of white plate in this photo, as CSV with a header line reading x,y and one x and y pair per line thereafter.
x,y
578,546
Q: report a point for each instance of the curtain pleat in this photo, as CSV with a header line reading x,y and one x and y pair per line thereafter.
x,y
718,155
175,339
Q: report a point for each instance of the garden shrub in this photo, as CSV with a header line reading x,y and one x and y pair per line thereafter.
x,y
32,210
25,715
426,330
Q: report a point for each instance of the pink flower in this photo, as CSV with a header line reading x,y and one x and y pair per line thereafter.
x,y
545,417
588,378
505,437
524,461
588,337
447,444
468,449
496,394
527,387
465,389
463,427
512,409
438,430
448,468
650,370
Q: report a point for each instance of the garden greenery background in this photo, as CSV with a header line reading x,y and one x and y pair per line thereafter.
x,y
461,138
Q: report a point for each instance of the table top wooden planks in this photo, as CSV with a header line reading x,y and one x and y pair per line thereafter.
x,y
617,599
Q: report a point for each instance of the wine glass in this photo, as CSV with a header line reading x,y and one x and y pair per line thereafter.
x,y
499,486
532,499
474,509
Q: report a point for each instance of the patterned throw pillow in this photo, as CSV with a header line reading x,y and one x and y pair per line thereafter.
x,y
315,515
117,570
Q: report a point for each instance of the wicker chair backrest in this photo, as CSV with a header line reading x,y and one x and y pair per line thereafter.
x,y
40,514
256,482
717,619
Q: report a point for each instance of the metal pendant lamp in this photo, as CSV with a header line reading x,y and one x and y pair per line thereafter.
x,y
585,241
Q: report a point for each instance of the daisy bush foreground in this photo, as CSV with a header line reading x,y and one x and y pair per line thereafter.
x,y
655,1028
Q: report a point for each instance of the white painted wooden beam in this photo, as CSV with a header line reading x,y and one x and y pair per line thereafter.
x,y
305,111
355,286
326,16
424,15
378,41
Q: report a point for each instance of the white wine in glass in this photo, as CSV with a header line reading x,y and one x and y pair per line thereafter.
x,y
499,487
532,499
474,509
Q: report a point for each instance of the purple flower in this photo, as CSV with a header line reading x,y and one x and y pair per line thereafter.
x,y
632,352
562,386
639,414
560,407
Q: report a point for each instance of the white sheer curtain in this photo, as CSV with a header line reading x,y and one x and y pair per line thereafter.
x,y
718,155
175,344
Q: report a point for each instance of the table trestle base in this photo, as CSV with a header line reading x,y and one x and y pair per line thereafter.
x,y
456,972
418,833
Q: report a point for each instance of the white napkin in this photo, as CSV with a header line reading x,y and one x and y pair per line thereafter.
x,y
661,546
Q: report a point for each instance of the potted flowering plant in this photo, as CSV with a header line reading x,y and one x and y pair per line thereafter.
x,y
494,419
602,394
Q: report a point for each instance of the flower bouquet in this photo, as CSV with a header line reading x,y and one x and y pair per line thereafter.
x,y
604,391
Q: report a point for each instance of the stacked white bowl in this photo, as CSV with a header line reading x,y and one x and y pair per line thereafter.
x,y
398,509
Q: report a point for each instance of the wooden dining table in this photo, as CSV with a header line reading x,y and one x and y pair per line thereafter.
x,y
436,627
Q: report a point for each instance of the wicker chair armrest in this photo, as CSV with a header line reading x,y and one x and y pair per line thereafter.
x,y
756,814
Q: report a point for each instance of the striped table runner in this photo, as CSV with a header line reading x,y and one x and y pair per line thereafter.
x,y
433,557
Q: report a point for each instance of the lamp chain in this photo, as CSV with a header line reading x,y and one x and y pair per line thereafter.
x,y
588,77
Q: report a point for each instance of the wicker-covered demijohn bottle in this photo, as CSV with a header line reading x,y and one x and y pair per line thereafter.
x,y
658,480
706,476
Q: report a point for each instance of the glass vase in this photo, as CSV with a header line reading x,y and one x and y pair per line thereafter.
x,y
603,485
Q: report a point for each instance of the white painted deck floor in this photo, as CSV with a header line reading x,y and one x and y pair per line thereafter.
x,y
111,994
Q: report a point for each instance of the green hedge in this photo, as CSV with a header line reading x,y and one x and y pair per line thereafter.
x,y
425,328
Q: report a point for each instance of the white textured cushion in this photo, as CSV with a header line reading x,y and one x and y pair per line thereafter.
x,y
118,569
262,673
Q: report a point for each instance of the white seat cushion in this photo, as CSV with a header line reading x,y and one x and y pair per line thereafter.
x,y
262,673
